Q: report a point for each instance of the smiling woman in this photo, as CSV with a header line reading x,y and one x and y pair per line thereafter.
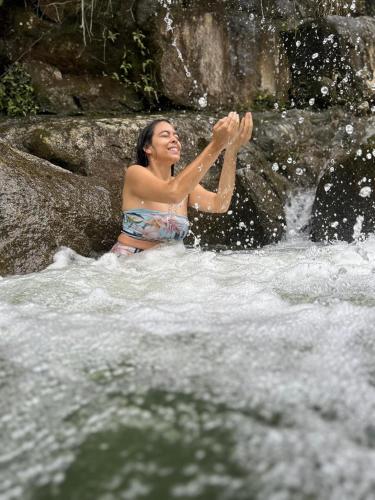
x,y
155,202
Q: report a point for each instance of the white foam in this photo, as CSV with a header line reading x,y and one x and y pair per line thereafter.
x,y
286,330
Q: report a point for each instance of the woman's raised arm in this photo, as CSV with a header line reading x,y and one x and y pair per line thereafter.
x,y
143,184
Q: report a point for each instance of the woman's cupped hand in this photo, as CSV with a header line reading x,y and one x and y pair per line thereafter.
x,y
231,133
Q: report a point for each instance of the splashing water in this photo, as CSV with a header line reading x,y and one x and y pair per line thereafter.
x,y
178,373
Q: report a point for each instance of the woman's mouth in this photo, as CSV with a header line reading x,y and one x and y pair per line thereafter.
x,y
174,149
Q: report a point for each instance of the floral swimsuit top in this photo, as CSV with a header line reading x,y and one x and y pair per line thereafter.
x,y
154,225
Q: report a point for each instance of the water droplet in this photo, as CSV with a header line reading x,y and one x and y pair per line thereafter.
x,y
290,159
349,129
275,167
299,171
301,119
312,101
324,90
365,192
283,114
315,55
298,43
202,101
327,187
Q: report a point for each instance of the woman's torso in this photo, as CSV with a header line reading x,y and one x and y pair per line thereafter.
x,y
147,223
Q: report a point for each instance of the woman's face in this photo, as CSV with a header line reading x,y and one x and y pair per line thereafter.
x,y
165,144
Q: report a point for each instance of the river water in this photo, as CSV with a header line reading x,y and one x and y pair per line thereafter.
x,y
181,373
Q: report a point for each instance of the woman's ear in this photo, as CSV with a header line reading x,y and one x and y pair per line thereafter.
x,y
147,150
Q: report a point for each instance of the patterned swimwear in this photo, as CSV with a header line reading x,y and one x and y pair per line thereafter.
x,y
121,249
150,225
154,225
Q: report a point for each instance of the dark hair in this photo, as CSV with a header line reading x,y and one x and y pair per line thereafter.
x,y
144,140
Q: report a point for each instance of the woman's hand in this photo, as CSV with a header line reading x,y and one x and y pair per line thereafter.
x,y
243,134
225,130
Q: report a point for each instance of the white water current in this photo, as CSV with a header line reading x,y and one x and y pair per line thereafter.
x,y
181,373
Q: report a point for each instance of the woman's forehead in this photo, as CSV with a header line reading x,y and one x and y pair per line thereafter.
x,y
162,126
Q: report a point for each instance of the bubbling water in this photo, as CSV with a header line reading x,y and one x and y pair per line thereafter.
x,y
181,373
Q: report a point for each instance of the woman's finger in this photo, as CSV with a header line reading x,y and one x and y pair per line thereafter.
x,y
220,122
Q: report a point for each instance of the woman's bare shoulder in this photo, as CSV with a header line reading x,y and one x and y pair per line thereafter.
x,y
134,168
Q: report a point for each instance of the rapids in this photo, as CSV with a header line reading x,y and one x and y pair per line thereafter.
x,y
182,373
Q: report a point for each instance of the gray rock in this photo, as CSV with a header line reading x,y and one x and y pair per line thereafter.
x,y
72,94
212,57
43,207
332,60
344,207
44,157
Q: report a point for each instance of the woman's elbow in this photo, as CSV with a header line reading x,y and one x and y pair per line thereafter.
x,y
221,209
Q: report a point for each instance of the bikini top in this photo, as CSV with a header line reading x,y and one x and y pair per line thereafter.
x,y
154,225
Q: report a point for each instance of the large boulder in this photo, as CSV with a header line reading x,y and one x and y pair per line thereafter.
x,y
344,206
74,69
43,157
332,60
42,207
57,93
214,55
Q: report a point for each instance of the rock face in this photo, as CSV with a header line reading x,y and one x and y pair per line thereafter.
x,y
236,53
111,57
332,60
200,55
43,207
61,179
217,58
73,70
344,207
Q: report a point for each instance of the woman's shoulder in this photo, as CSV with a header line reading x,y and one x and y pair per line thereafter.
x,y
134,169
133,166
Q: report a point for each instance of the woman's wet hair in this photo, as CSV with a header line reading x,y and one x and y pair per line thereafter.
x,y
144,140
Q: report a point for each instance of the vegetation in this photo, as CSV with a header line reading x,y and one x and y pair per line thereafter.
x,y
138,69
17,96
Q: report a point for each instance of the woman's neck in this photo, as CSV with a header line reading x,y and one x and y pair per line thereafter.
x,y
161,171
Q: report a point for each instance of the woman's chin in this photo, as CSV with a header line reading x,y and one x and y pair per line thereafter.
x,y
174,157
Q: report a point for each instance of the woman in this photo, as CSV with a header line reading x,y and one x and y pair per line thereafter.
x,y
155,202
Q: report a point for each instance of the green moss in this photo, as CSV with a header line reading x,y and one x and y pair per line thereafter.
x,y
17,97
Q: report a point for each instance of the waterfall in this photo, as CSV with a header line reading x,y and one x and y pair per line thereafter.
x,y
298,213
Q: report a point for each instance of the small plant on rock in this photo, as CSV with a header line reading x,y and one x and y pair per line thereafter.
x,y
17,97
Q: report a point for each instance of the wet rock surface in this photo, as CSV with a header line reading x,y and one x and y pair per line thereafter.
x,y
344,207
289,152
332,61
212,55
43,207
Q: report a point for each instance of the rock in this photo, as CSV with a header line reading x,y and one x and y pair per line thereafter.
x,y
43,207
344,206
212,57
332,60
207,56
72,94
74,70
91,153
363,108
256,214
